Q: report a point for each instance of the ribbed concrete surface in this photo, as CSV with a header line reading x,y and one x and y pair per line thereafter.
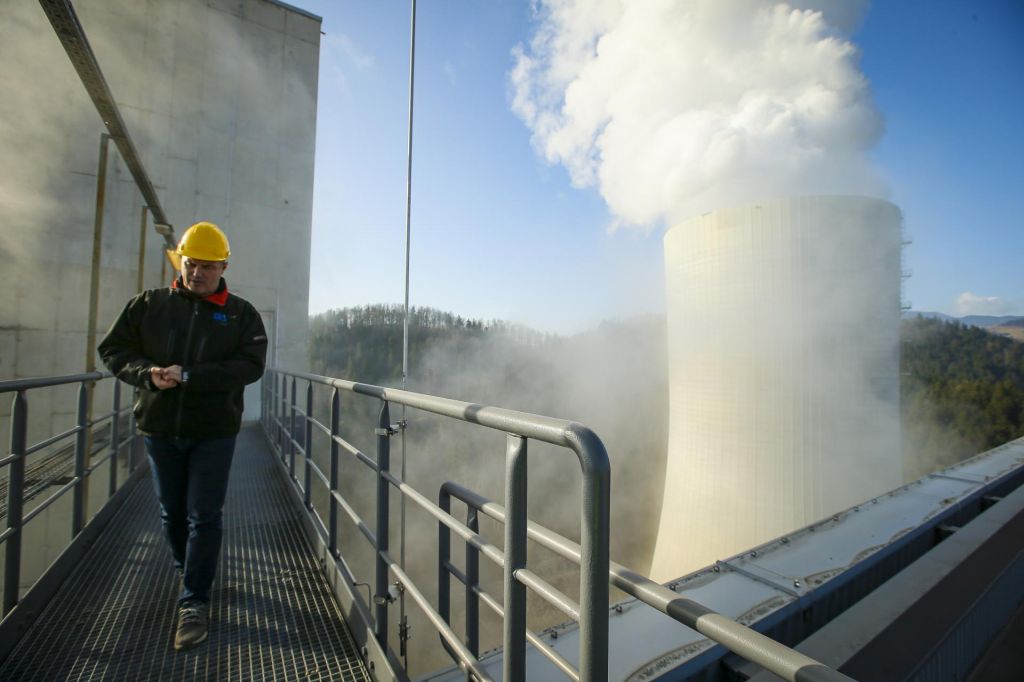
x,y
273,616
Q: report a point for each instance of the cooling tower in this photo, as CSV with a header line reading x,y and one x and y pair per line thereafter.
x,y
783,324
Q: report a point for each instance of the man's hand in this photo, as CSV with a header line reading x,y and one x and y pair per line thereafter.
x,y
163,378
173,373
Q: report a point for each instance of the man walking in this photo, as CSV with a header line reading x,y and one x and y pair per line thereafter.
x,y
190,349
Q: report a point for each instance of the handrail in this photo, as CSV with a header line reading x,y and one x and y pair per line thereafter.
x,y
284,415
281,419
20,450
43,382
777,658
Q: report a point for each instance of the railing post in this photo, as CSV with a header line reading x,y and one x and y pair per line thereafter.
x,y
275,392
81,445
115,438
307,472
15,493
472,582
444,555
134,434
263,401
332,524
514,640
282,399
291,434
272,411
594,559
380,597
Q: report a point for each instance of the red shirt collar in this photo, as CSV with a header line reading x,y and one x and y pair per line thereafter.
x,y
219,297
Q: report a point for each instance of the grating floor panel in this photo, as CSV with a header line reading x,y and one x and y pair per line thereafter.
x,y
273,616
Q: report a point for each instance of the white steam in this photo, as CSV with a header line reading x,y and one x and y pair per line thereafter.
x,y
674,107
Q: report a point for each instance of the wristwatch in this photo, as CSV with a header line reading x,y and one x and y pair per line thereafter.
x,y
184,376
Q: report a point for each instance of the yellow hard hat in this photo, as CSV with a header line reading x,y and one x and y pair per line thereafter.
x,y
204,241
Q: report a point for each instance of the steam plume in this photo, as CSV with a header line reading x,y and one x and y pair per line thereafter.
x,y
672,108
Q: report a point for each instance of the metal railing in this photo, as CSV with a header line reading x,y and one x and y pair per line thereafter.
x,y
289,426
280,413
741,640
290,429
85,447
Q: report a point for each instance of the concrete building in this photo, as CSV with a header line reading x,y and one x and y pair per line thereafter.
x,y
783,330
220,99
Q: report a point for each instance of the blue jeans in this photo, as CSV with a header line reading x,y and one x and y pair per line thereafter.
x,y
191,481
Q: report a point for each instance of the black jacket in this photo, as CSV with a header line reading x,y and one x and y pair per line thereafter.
x,y
218,340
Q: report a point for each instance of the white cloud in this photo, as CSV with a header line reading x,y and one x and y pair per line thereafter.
x,y
968,303
674,107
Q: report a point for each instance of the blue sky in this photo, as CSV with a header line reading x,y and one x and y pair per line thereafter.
x,y
500,233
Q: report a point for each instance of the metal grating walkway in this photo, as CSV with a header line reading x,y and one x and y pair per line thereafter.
x,y
273,616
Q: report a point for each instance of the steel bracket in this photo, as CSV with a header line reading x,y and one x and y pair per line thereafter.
x,y
391,429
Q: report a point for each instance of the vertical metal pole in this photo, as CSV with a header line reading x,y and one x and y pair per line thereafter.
x,y
291,434
405,324
81,447
594,564
134,435
115,437
271,379
15,493
97,252
140,284
515,558
284,420
307,471
263,401
380,597
444,555
268,405
282,398
332,523
408,197
275,438
283,409
94,293
472,582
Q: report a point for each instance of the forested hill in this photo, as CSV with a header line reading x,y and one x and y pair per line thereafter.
x,y
365,343
962,388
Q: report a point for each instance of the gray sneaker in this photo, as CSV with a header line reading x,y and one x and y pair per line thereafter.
x,y
193,625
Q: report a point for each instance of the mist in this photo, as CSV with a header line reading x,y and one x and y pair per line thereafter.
x,y
612,379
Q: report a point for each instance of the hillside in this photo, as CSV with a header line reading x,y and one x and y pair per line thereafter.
x,y
962,392
1013,329
365,343
962,387
970,320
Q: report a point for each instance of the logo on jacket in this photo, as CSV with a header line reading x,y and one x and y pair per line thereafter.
x,y
221,317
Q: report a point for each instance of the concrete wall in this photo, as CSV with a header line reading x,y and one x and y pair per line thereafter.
x,y
783,331
220,99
